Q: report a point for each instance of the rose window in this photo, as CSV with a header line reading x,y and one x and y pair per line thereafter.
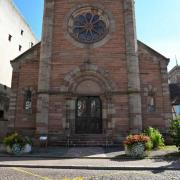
x,y
89,26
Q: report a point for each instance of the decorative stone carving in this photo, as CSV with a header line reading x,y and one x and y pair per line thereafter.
x,y
88,73
149,90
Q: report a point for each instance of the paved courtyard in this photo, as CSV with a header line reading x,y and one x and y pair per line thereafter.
x,y
88,164
67,174
83,152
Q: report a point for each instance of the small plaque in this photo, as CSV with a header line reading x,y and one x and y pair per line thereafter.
x,y
43,138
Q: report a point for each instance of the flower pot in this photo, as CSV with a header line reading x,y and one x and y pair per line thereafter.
x,y
136,150
27,148
16,149
8,149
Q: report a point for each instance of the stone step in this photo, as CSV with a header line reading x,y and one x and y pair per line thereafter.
x,y
82,143
79,138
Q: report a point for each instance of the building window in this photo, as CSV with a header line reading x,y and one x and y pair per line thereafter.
x,y
32,44
20,47
22,32
28,100
151,103
88,25
9,38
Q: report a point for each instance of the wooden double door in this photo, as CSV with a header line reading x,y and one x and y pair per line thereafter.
x,y
88,115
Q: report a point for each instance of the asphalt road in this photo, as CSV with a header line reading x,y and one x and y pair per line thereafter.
x,y
58,174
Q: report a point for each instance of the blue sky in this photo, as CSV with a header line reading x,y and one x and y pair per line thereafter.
x,y
32,11
158,23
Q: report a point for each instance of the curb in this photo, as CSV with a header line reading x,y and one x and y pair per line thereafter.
x,y
63,157
95,167
85,157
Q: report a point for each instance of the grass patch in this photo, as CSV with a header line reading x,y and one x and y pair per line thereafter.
x,y
168,148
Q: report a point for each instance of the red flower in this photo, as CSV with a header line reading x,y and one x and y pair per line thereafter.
x,y
136,138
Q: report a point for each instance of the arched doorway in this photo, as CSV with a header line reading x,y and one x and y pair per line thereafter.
x,y
88,115
83,84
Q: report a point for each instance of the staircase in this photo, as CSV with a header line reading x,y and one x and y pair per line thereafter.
x,y
82,140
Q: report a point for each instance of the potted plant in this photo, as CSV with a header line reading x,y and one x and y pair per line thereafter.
x,y
17,144
13,143
28,145
135,145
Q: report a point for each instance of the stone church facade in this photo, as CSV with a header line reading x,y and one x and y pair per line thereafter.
x,y
89,80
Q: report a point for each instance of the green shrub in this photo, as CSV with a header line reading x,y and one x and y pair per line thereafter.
x,y
27,140
16,138
12,139
175,131
156,137
149,145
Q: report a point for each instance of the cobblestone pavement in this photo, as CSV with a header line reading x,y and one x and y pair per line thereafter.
x,y
57,174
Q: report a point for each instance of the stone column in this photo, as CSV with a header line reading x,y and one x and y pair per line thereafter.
x,y
45,69
166,94
135,115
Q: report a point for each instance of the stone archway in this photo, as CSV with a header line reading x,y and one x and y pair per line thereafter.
x,y
90,72
92,81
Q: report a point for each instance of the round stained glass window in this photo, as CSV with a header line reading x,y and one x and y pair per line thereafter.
x,y
88,25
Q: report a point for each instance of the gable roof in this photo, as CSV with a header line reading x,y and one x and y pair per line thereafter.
x,y
148,48
26,52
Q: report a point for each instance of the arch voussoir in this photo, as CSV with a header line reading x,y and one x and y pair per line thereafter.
x,y
88,72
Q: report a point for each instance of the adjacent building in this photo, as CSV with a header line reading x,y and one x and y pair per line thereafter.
x,y
89,81
4,107
174,75
174,80
15,38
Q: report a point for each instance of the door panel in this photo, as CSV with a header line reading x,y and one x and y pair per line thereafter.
x,y
88,115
